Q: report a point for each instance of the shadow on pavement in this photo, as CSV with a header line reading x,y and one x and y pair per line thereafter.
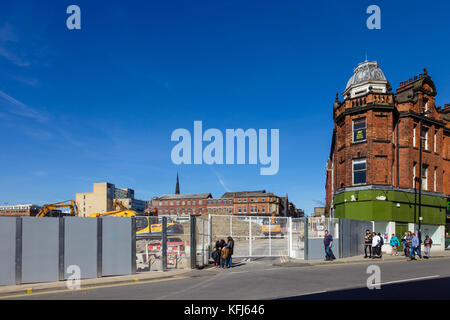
x,y
433,289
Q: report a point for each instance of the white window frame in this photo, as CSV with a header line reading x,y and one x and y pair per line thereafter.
x,y
353,129
425,178
435,177
435,137
358,161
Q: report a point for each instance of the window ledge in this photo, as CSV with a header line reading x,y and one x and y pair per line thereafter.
x,y
359,142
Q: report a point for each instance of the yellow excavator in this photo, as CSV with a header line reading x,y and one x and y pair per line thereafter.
x,y
144,224
271,227
122,212
46,209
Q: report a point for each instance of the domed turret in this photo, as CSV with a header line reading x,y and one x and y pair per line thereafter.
x,y
367,76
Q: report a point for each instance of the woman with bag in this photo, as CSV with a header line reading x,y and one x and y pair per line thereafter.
x,y
225,255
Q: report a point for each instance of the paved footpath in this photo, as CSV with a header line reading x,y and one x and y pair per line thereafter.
x,y
248,279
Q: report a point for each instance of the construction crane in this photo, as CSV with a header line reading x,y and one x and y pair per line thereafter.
x,y
46,209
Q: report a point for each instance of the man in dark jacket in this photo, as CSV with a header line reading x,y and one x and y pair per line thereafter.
x,y
368,244
328,242
230,245
380,246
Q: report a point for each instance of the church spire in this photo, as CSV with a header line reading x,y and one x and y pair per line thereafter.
x,y
177,188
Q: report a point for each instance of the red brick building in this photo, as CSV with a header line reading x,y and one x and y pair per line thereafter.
x,y
20,210
374,157
255,203
181,204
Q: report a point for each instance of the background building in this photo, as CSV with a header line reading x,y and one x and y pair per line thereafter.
x,y
373,166
254,203
19,210
102,197
181,204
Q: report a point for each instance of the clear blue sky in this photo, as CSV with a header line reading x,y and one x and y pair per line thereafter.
x,y
100,104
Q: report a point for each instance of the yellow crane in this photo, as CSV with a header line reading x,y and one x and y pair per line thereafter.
x,y
122,212
46,209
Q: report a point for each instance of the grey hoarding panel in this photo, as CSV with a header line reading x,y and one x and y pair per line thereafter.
x,y
40,249
7,250
352,234
80,245
316,248
116,244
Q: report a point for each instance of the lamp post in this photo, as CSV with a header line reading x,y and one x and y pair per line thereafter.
x,y
422,115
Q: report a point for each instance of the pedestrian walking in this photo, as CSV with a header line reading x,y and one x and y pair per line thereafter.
x,y
415,247
368,244
394,244
404,243
408,243
427,247
375,242
328,242
380,246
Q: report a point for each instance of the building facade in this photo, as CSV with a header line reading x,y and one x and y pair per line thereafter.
x,y
373,170
102,197
20,210
255,203
181,204
251,203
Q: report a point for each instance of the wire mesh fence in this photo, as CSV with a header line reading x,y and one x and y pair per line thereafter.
x,y
150,246
253,236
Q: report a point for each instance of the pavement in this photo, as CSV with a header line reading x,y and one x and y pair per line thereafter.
x,y
254,278
289,262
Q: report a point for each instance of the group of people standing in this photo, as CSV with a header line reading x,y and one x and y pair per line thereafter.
x,y
373,243
223,252
410,241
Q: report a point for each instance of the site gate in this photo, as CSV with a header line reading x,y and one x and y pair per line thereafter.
x,y
258,236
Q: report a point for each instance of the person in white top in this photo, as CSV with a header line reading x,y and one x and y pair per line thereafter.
x,y
375,242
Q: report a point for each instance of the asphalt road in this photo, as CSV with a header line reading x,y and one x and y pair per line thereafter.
x,y
428,279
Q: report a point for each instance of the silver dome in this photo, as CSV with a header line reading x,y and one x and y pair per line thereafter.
x,y
366,71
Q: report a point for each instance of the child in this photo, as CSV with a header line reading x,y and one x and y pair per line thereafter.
x,y
427,247
394,244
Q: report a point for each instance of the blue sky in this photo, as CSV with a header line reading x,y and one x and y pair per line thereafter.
x,y
100,103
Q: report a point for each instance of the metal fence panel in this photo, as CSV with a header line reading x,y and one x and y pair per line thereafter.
x,y
80,245
7,250
253,236
149,244
298,238
202,242
353,232
40,249
316,233
116,244
178,243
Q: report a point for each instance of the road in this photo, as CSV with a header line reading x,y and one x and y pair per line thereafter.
x,y
262,280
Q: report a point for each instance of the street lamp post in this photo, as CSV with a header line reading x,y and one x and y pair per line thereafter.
x,y
422,115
